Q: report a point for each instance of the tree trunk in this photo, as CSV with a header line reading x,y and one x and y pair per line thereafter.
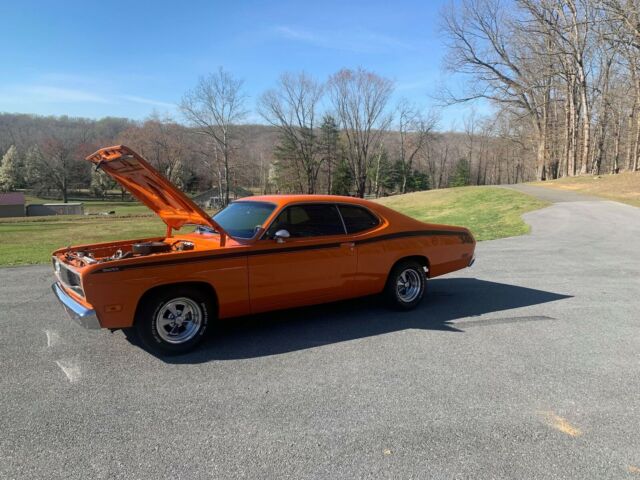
x,y
329,178
541,170
377,178
64,191
586,132
569,167
541,151
636,146
630,137
616,147
226,176
362,186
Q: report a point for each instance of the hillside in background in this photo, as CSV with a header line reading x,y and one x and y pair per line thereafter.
x,y
193,162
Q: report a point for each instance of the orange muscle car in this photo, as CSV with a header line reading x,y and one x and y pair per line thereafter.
x,y
257,254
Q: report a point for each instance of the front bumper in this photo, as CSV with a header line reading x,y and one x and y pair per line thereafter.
x,y
80,314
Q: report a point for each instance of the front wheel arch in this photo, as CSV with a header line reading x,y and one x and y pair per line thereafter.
x,y
203,287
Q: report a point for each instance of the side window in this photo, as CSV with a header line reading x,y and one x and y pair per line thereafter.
x,y
308,221
357,219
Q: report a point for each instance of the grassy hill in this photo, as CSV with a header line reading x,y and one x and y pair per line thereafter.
x,y
623,187
489,212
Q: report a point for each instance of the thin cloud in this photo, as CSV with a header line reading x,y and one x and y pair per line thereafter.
x,y
40,93
147,101
359,41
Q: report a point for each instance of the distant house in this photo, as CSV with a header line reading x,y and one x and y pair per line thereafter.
x,y
42,209
212,198
12,204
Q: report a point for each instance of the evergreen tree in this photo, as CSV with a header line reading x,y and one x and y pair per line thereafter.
x,y
417,181
461,174
287,166
329,143
384,174
342,179
10,170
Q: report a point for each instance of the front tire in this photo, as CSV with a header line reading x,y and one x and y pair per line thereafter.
x,y
406,285
173,321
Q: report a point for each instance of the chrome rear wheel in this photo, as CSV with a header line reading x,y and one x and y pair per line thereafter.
x,y
408,285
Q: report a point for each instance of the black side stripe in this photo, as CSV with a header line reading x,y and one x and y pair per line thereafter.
x,y
465,238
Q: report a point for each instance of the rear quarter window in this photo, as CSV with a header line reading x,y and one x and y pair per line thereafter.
x,y
357,219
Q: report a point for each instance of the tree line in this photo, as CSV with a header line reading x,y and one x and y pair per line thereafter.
x,y
44,155
563,76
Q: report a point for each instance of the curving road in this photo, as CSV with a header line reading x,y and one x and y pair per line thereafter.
x,y
527,365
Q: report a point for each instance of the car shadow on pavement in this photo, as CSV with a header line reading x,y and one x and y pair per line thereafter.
x,y
289,330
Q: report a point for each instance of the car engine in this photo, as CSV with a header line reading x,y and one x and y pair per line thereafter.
x,y
138,249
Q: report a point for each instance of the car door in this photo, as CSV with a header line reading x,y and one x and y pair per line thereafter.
x,y
317,263
372,268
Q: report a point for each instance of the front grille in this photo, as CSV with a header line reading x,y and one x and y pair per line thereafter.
x,y
68,277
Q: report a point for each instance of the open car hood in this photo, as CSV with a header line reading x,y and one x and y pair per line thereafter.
x,y
146,184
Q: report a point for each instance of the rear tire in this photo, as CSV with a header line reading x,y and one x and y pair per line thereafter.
x,y
406,285
174,320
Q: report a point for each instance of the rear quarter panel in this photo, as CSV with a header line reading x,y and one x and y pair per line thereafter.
x,y
447,248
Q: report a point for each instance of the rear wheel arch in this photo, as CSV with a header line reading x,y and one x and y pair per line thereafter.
x,y
421,259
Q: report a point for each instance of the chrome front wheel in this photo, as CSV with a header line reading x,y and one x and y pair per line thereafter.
x,y
174,319
178,320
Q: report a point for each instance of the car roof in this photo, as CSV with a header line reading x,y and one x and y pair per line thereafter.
x,y
286,199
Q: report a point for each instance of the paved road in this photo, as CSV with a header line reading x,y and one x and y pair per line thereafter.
x,y
552,195
527,365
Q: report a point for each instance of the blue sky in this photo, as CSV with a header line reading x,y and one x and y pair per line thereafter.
x,y
113,58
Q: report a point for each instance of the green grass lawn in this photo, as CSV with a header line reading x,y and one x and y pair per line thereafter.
x,y
28,242
489,212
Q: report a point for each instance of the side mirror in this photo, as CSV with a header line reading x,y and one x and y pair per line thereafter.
x,y
281,235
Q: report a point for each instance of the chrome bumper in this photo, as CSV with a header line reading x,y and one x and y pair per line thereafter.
x,y
80,314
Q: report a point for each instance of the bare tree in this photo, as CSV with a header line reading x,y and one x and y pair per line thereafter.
x,y
214,108
360,99
486,44
164,143
57,163
292,107
415,129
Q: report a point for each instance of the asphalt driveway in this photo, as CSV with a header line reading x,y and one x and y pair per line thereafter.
x,y
526,365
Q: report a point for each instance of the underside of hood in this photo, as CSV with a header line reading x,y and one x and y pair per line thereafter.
x,y
147,185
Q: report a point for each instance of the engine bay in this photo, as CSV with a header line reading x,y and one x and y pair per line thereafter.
x,y
91,256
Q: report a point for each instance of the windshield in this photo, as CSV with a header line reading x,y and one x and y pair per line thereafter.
x,y
240,219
